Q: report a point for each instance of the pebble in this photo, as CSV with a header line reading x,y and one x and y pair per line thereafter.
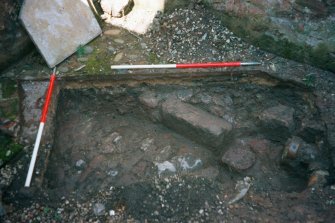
x,y
83,59
144,46
111,212
63,69
118,57
112,32
80,163
111,49
88,49
98,209
8,153
120,41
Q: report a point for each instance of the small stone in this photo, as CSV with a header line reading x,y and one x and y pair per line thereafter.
x,y
111,49
80,163
63,69
112,32
132,56
185,94
239,157
113,173
98,209
115,137
120,41
149,99
83,59
111,213
8,153
118,57
144,46
88,49
146,144
205,98
201,211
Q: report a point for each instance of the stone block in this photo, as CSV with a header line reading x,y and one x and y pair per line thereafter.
x,y
195,123
277,122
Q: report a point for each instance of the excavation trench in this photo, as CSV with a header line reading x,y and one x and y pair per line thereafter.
x,y
193,136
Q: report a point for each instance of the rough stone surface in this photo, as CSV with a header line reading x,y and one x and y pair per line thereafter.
x,y
194,122
239,157
277,122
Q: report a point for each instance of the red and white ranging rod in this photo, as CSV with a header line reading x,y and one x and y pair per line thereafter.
x,y
186,65
41,127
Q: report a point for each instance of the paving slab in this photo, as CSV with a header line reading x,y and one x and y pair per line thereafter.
x,y
58,27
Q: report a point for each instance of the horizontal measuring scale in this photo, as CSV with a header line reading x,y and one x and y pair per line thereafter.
x,y
185,65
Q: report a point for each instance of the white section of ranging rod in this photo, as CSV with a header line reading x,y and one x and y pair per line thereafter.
x,y
145,66
250,63
34,156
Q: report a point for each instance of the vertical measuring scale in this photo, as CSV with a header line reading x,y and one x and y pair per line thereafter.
x,y
41,127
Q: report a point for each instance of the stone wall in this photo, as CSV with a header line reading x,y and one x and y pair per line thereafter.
x,y
302,30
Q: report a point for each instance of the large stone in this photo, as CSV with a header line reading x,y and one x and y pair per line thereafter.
x,y
195,123
239,157
277,122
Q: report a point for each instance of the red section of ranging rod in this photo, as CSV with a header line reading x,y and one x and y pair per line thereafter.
x,y
48,97
208,65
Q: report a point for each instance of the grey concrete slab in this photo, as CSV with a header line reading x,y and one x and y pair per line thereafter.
x,y
58,27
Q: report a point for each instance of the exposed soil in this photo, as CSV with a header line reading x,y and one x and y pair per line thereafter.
x,y
114,159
